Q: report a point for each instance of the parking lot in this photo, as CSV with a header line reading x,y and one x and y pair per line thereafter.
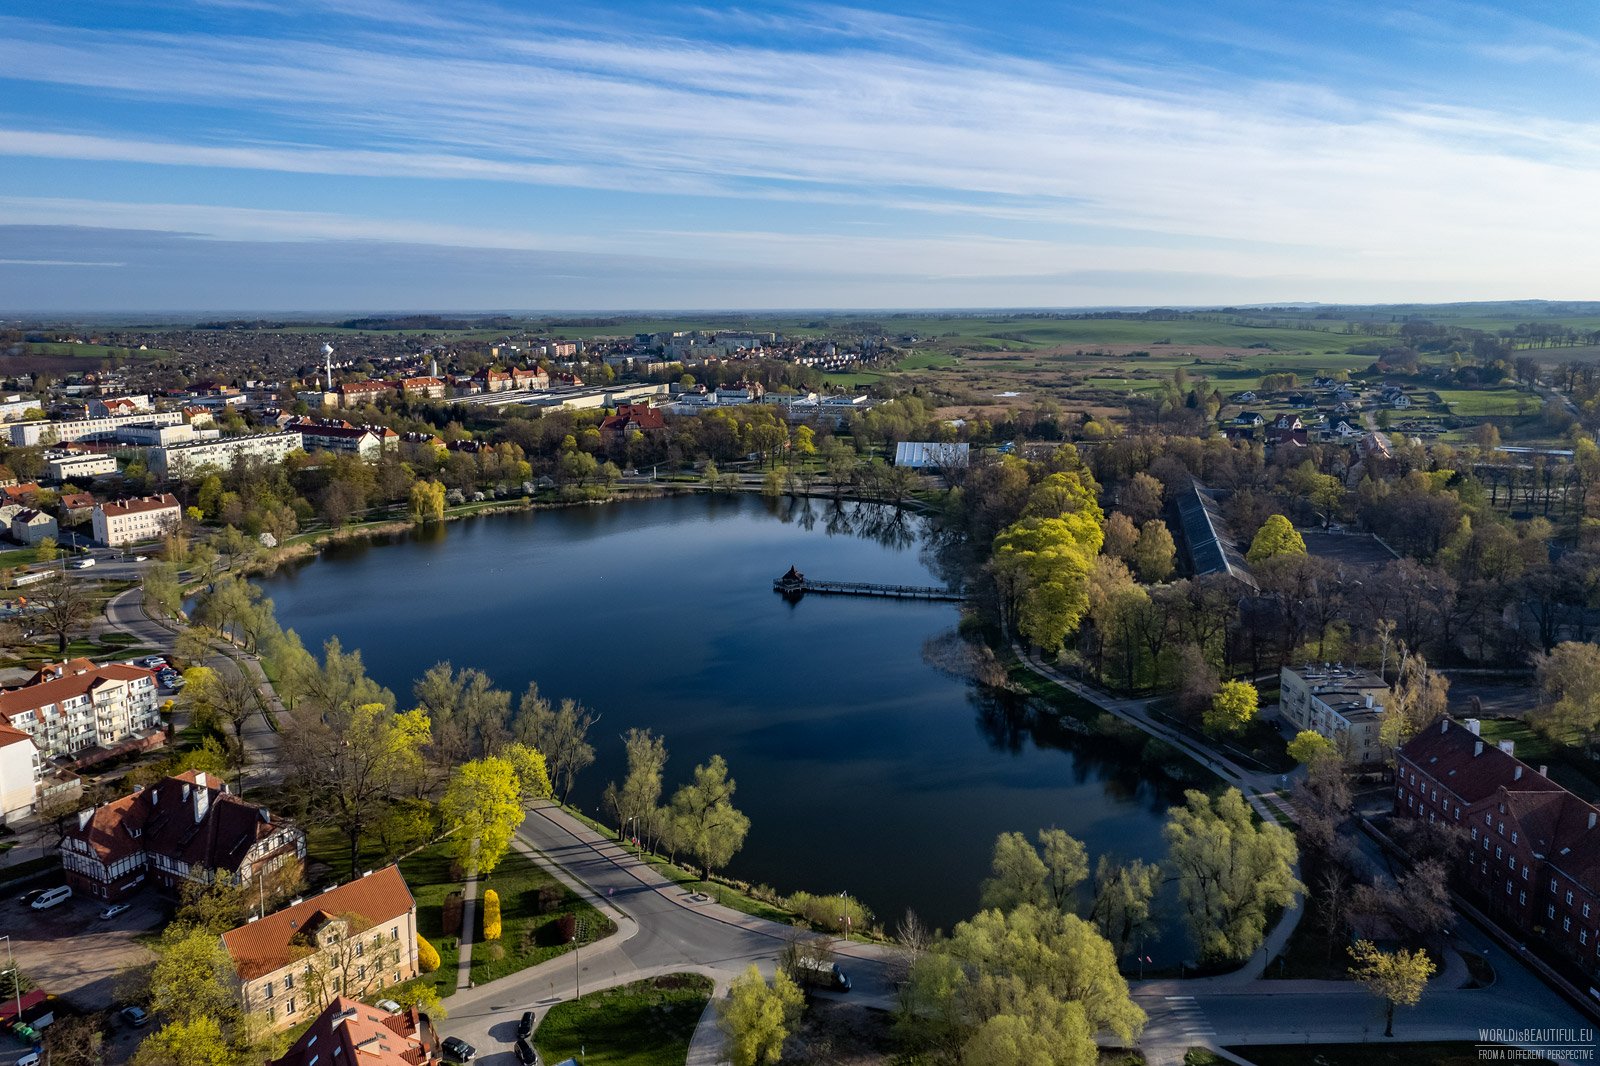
x,y
70,951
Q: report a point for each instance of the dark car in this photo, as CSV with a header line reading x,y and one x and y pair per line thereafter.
x,y
525,1026
525,1052
31,895
457,1049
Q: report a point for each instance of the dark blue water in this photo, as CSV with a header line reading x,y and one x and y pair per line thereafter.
x,y
862,768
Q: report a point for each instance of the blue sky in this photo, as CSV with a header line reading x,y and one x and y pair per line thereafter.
x,y
282,155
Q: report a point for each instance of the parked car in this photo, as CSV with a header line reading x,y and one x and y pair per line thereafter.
x,y
136,1017
31,1057
49,898
31,895
457,1049
388,1005
115,909
526,1053
525,1026
152,662
84,563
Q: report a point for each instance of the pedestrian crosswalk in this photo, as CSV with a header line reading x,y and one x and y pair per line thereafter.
x,y
1187,1016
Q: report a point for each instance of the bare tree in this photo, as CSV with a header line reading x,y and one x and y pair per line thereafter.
x,y
61,605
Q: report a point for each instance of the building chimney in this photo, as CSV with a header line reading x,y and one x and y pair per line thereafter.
x,y
83,818
1473,726
1369,701
1477,749
1516,775
200,778
1444,725
1508,746
1544,771
186,791
1592,817
202,803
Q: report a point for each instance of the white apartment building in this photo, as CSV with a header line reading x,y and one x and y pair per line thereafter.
x,y
19,774
28,434
159,434
67,707
102,406
76,467
13,408
129,521
1343,703
182,460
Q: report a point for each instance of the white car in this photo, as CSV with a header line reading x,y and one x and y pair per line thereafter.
x,y
388,1005
115,909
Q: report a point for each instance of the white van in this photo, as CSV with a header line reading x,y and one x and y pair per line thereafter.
x,y
60,894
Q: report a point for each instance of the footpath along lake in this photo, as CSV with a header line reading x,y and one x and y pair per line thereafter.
x,y
862,768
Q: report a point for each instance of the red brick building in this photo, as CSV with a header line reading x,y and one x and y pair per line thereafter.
x,y
1533,848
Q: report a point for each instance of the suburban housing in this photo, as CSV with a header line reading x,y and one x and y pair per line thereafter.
x,y
349,940
83,711
349,1031
187,827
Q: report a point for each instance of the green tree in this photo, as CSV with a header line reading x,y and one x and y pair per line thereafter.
x,y
1042,567
1569,681
1398,978
533,779
1419,695
1309,747
224,695
1230,872
163,596
1122,894
483,805
710,827
194,977
61,605
1018,875
561,732
1275,537
427,502
1154,552
634,803
46,551
1232,708
756,1018
188,1042
1034,981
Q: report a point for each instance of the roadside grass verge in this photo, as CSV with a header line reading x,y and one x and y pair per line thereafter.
x,y
532,902
647,1023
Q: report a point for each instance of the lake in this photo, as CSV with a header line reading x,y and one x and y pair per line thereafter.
x,y
862,767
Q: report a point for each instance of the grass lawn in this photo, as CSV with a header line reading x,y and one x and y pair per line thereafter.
x,y
647,1023
1437,1053
1568,767
428,874
525,941
1478,403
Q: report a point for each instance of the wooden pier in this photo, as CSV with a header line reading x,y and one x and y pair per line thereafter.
x,y
794,584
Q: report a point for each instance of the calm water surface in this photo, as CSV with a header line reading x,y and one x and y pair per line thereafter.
x,y
862,768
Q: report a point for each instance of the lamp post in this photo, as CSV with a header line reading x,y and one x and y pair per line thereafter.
x,y
844,914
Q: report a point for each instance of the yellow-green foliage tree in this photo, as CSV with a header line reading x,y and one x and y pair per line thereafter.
x,y
427,502
1232,707
1154,552
427,956
1309,747
483,804
491,915
756,1018
1042,562
1275,537
1231,872
1397,978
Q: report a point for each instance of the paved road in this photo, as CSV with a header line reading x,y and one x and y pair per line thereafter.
x,y
661,929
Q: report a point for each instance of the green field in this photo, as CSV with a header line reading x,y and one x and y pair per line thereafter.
x,y
1487,403
647,1023
90,351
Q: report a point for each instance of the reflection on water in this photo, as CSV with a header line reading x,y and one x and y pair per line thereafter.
x,y
862,767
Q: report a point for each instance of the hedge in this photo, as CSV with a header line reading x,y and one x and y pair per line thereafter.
x,y
491,915
427,956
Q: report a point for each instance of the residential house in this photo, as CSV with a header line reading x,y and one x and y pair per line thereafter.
x,y
183,828
1533,849
1287,429
631,420
132,520
85,712
77,504
1243,397
1374,446
30,526
1249,420
493,379
78,466
1341,703
1344,430
347,941
534,378
333,435
104,406
351,1033
20,494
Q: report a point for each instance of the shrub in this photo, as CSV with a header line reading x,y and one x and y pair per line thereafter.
x,y
566,927
491,915
826,912
549,899
495,950
451,919
427,956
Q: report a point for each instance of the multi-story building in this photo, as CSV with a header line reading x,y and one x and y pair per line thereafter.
x,y
28,434
356,393
30,526
1343,703
80,466
159,435
19,774
350,1032
129,521
333,435
188,827
184,460
424,387
347,941
69,708
1532,855
14,408
102,406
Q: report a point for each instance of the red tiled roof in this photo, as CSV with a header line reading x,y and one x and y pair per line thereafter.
x,y
351,1026
1469,766
77,677
164,818
263,946
10,735
139,504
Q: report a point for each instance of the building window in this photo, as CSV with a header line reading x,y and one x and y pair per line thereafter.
x,y
394,933
291,1005
1566,925
1524,871
1474,832
1513,836
360,949
1586,910
272,1014
288,982
1550,911
1569,899
268,991
1583,936
1553,885
1508,888
1497,855
1522,899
